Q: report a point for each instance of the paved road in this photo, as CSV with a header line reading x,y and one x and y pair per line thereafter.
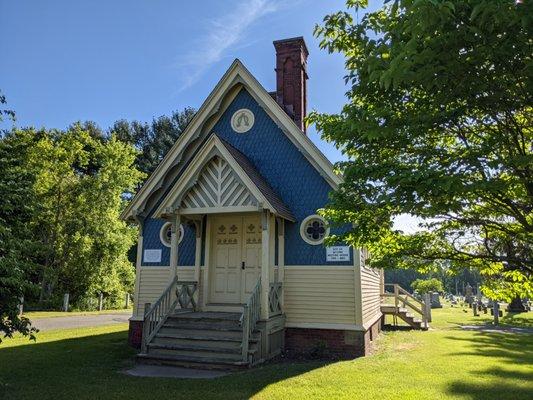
x,y
81,321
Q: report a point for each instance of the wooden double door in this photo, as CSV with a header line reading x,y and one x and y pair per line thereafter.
x,y
236,257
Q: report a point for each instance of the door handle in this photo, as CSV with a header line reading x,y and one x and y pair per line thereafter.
x,y
242,265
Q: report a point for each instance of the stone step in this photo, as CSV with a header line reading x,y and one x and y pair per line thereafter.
x,y
207,316
201,333
195,348
202,337
191,362
203,326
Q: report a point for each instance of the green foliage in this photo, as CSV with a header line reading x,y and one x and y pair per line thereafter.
x,y
438,125
16,210
80,181
153,140
427,285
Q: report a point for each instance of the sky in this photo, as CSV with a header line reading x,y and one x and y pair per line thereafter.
x,y
63,61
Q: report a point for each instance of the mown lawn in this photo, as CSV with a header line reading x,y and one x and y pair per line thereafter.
x,y
444,363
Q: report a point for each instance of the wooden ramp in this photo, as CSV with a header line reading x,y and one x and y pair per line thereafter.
x,y
399,303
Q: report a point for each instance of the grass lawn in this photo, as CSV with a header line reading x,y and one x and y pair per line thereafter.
x,y
443,363
52,314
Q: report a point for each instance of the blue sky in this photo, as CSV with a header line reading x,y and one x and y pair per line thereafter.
x,y
63,61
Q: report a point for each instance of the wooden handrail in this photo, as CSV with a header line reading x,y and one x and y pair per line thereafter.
x,y
155,315
250,315
402,296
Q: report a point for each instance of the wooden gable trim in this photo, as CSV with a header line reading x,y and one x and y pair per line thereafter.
x,y
212,147
235,75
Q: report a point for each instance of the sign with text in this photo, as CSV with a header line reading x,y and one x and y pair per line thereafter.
x,y
152,255
337,253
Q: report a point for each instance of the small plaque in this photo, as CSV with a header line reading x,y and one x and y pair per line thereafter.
x,y
152,255
337,253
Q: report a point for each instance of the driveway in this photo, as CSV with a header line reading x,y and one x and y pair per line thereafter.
x,y
81,321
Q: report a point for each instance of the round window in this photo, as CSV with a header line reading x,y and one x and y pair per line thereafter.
x,y
242,120
166,234
314,229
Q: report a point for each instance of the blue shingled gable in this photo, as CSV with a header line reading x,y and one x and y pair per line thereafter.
x,y
284,167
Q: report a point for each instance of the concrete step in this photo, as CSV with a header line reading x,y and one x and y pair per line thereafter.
x,y
203,324
195,349
202,333
201,337
207,316
207,356
191,362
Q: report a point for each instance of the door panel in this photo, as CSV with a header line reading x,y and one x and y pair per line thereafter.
x,y
251,254
226,283
236,239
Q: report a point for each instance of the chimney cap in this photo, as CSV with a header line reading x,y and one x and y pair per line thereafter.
x,y
299,39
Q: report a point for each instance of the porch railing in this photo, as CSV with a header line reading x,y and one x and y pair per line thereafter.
x,y
250,315
399,297
274,298
177,292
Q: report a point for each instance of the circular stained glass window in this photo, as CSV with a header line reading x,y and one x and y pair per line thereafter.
x,y
314,229
242,120
166,234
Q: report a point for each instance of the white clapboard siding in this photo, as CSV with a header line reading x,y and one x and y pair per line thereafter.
x,y
370,293
154,280
218,186
319,295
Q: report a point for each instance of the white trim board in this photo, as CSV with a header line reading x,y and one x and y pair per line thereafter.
x,y
235,75
315,325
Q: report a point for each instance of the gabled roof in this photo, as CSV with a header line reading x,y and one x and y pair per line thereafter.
x,y
237,74
249,176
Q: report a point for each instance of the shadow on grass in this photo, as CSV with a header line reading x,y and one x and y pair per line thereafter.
x,y
512,350
89,368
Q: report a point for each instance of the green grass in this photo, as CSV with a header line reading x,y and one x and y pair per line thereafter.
x,y
443,363
53,314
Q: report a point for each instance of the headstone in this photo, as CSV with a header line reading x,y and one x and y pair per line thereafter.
x,y
435,300
469,297
516,306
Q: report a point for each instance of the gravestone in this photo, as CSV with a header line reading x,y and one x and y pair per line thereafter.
x,y
469,297
516,306
435,300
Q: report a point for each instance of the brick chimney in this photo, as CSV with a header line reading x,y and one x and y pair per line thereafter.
x,y
291,78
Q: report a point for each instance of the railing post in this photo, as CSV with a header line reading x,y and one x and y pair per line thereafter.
x,y
396,296
245,332
146,328
427,308
496,308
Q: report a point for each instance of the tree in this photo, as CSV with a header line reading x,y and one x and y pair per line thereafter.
x,y
153,140
423,286
16,244
80,181
438,125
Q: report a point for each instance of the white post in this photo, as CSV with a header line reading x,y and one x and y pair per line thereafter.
x,y
265,263
281,258
207,261
496,310
198,257
65,302
136,305
127,300
174,239
427,301
100,301
21,305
